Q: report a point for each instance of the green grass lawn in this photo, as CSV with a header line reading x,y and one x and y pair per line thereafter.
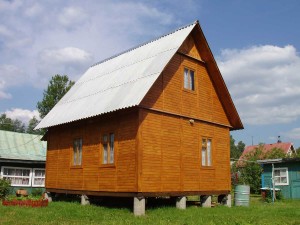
x,y
284,212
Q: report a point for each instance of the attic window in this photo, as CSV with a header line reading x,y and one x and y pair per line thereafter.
x,y
189,79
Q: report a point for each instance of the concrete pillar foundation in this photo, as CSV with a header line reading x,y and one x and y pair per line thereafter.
x,y
47,195
205,201
181,202
85,200
139,206
225,200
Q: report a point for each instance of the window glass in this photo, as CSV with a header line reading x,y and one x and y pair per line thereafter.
x,y
77,152
206,152
111,146
108,148
209,152
189,79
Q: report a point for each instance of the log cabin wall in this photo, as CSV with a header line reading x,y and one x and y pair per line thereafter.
x,y
170,145
92,175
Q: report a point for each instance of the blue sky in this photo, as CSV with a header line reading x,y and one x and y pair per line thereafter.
x,y
256,45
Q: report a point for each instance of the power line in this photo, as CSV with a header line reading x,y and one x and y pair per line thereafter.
x,y
20,144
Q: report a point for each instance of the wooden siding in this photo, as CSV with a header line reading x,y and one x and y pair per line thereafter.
x,y
92,175
168,93
171,155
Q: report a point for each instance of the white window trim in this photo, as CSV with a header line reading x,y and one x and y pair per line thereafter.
x,y
287,176
33,177
22,168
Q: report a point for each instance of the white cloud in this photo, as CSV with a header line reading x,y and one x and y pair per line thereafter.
x,y
22,114
33,10
72,16
71,61
263,81
10,76
294,133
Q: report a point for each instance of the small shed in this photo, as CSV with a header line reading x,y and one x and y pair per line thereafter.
x,y
22,160
286,175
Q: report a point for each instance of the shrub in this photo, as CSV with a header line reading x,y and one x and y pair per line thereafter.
x,y
279,196
4,188
37,192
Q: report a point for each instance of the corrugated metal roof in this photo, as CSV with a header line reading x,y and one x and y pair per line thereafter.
x,y
117,83
22,146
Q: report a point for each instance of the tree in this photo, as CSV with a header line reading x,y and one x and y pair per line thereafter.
x,y
31,125
57,88
236,150
11,124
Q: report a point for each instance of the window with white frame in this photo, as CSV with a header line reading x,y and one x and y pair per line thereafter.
x,y
38,178
189,79
206,152
24,177
281,176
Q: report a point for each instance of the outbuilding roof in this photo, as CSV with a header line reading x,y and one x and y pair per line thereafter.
x,y
285,146
122,81
21,146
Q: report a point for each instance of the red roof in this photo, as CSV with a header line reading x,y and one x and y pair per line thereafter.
x,y
285,146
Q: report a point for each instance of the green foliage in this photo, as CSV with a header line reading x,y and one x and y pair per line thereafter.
x,y
236,150
297,154
37,192
4,188
9,124
279,196
32,124
58,86
275,153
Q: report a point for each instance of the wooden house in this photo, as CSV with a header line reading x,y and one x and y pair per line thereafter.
x,y
22,160
283,174
151,121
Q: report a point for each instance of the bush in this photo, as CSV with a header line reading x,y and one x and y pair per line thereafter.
x,y
4,188
279,196
37,192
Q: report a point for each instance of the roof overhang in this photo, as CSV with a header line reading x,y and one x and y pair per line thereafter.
x,y
22,161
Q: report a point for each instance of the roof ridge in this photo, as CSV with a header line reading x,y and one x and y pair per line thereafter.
x,y
145,43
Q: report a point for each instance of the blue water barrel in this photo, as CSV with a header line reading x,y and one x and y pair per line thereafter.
x,y
241,195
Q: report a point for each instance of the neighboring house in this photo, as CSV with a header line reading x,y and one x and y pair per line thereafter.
x,y
152,121
286,175
22,160
287,148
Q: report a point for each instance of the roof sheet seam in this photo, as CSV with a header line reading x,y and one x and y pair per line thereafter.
x,y
102,75
111,87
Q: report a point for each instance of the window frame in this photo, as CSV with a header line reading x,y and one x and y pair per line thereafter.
x,y
109,148
191,86
38,177
75,164
207,161
287,176
15,176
